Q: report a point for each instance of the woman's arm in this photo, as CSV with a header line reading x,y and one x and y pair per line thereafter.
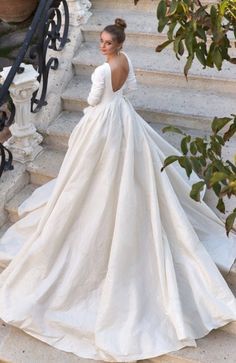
x,y
98,85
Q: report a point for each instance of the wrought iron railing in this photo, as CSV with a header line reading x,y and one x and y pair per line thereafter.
x,y
47,31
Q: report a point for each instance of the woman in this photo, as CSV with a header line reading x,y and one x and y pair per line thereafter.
x,y
120,265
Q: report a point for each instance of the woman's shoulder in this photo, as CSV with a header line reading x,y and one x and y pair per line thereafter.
x,y
99,71
100,68
126,56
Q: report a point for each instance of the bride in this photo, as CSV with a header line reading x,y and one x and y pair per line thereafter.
x,y
115,261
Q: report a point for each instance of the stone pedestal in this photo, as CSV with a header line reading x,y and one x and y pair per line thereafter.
x,y
24,143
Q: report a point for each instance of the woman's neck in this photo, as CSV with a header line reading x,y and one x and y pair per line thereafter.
x,y
111,57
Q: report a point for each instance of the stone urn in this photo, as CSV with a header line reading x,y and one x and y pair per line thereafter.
x,y
16,11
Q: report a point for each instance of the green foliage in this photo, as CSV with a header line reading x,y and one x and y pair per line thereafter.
x,y
201,31
204,157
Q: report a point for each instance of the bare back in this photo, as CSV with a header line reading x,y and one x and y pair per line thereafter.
x,y
119,71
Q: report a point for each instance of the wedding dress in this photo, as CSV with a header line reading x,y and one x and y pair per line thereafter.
x,y
113,260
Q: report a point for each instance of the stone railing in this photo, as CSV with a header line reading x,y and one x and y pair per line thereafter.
x,y
27,85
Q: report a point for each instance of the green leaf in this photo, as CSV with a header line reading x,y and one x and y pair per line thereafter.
x,y
189,42
208,174
169,160
209,60
220,139
161,9
185,164
174,129
213,13
220,166
202,160
173,7
176,44
201,33
201,145
188,65
193,148
184,144
230,222
185,7
217,189
222,6
217,177
233,167
211,155
196,190
221,205
201,56
230,133
181,47
160,47
171,30
217,58
226,190
197,166
219,123
216,147
162,23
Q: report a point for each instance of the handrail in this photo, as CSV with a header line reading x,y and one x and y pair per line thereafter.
x,y
46,25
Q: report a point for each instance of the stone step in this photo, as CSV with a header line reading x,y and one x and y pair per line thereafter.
x,y
147,40
142,5
161,69
18,347
183,107
141,27
13,204
61,128
10,183
57,134
3,229
46,166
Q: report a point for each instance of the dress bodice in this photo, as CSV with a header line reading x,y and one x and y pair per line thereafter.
x,y
101,91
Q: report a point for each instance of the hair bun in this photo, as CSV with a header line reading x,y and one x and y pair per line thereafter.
x,y
121,23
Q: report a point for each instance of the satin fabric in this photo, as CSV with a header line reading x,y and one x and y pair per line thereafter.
x,y
113,260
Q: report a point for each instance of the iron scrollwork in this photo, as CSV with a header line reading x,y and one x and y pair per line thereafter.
x,y
49,37
47,31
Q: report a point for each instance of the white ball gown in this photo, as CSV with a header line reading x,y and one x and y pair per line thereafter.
x,y
114,261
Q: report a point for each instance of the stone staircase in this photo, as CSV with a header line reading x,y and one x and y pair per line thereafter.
x,y
163,97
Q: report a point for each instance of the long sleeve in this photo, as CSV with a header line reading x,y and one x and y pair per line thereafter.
x,y
98,85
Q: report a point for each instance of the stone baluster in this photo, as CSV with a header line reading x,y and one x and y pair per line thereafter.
x,y
25,140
